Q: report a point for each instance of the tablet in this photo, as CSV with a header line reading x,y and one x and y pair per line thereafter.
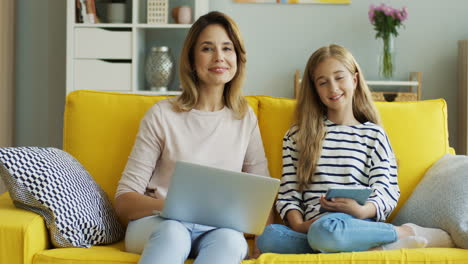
x,y
359,194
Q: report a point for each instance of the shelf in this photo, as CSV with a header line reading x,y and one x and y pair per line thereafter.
x,y
102,25
392,83
128,25
163,25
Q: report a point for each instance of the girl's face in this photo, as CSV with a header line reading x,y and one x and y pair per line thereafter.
x,y
215,57
335,86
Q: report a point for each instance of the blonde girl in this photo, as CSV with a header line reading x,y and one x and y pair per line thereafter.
x,y
338,141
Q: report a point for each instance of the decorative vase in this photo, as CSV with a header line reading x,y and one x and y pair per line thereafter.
x,y
182,14
115,12
387,57
159,69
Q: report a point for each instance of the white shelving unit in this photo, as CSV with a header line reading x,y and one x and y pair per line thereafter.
x,y
111,57
392,83
414,86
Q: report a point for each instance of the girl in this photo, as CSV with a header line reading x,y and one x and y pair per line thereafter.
x,y
209,117
338,141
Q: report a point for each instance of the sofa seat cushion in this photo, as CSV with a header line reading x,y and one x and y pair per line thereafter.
x,y
109,254
113,253
407,256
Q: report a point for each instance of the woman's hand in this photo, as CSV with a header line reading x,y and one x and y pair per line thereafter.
x,y
349,206
130,206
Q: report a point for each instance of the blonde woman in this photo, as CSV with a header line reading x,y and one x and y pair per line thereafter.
x,y
210,117
338,141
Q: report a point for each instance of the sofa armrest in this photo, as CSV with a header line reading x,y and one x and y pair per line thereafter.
x,y
22,233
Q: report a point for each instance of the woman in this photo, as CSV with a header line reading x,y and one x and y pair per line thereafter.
x,y
210,117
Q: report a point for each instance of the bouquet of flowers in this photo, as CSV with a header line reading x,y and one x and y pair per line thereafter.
x,y
386,21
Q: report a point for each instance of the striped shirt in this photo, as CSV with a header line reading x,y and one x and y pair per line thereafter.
x,y
358,155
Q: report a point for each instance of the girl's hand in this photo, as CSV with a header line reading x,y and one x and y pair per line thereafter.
x,y
343,205
303,227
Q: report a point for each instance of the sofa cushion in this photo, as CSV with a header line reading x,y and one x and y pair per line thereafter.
x,y
440,199
418,134
275,117
399,256
109,254
53,184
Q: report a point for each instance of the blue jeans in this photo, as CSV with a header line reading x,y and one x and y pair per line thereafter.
x,y
170,241
334,232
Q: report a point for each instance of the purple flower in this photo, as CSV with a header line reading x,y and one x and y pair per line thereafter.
x,y
394,13
386,19
404,14
398,15
388,11
371,15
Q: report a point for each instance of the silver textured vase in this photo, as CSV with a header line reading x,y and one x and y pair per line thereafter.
x,y
159,68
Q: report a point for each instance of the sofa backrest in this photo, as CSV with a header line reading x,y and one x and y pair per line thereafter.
x,y
100,129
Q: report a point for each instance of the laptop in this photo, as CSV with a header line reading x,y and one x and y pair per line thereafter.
x,y
220,198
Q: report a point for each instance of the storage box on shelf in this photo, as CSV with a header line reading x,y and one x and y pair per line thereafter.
x,y
112,56
414,84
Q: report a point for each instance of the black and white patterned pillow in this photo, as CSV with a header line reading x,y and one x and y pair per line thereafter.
x,y
55,185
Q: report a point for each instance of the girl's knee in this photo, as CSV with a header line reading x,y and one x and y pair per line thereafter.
x,y
265,240
325,235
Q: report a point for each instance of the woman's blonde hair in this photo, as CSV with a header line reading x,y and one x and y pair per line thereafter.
x,y
310,111
232,94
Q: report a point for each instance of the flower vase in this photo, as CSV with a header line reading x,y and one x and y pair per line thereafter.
x,y
387,57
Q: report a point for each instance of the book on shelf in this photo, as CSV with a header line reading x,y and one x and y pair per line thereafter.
x,y
86,12
78,16
83,11
91,11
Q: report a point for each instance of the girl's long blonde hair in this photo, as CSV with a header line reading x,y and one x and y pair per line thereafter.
x,y
232,94
310,111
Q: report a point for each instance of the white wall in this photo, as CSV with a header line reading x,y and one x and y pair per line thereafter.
x,y
279,39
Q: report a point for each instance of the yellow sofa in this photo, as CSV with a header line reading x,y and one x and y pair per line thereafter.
x,y
99,131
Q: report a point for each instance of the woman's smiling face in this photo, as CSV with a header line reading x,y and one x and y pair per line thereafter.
x,y
215,57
